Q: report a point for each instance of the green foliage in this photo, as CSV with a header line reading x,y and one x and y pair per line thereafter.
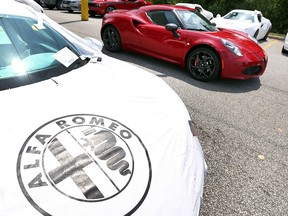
x,y
275,10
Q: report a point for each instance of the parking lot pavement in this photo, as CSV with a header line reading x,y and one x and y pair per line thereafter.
x,y
242,126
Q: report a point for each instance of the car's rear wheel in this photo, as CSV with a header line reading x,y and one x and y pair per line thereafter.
x,y
50,7
204,64
59,5
111,39
109,9
267,34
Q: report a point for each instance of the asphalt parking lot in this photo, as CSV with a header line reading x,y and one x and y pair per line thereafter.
x,y
242,126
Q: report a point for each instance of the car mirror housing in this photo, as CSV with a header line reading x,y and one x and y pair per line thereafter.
x,y
173,28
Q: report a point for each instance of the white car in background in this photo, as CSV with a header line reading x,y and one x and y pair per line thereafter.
x,y
83,133
249,21
199,8
285,46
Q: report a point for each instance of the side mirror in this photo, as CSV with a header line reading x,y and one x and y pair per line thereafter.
x,y
173,28
218,16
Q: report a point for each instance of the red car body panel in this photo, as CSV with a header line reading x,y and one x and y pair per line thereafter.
x,y
98,7
138,33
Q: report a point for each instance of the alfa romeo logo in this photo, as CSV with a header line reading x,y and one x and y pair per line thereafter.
x,y
79,164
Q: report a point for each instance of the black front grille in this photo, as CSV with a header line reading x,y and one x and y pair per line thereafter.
x,y
253,70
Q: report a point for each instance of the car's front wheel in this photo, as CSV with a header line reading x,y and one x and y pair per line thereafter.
x,y
204,64
111,39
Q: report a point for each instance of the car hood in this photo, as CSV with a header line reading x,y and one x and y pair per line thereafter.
x,y
232,24
239,38
49,128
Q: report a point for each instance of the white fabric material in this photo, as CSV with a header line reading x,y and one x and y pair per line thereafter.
x,y
140,101
49,160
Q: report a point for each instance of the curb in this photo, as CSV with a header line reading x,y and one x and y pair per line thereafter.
x,y
276,37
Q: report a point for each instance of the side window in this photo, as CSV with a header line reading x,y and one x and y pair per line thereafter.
x,y
259,17
198,9
163,17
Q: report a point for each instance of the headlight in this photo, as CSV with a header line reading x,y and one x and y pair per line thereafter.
x,y
231,46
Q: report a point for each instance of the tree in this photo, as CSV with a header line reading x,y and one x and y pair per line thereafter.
x,y
275,10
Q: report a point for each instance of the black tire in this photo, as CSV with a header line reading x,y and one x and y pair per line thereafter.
x,y
109,9
59,5
70,11
111,39
203,64
51,7
267,34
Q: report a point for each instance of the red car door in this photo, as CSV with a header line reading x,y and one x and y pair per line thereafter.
x,y
161,43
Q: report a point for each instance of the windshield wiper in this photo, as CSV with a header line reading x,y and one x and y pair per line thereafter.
x,y
79,62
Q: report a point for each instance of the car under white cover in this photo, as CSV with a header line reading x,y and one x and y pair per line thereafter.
x,y
82,132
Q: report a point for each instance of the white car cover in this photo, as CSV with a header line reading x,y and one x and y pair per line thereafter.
x,y
32,4
105,139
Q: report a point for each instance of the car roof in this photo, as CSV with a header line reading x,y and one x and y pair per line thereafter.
x,y
12,7
164,7
186,4
252,12
32,4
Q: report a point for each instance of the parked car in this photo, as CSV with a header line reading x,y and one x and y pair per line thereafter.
x,y
209,15
82,133
251,22
101,7
179,35
51,4
285,46
71,6
40,2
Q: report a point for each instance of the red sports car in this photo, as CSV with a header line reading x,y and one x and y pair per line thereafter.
x,y
182,36
101,7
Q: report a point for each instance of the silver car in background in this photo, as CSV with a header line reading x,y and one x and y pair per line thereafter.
x,y
71,5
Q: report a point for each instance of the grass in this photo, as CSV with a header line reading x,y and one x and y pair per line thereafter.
x,y
277,35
